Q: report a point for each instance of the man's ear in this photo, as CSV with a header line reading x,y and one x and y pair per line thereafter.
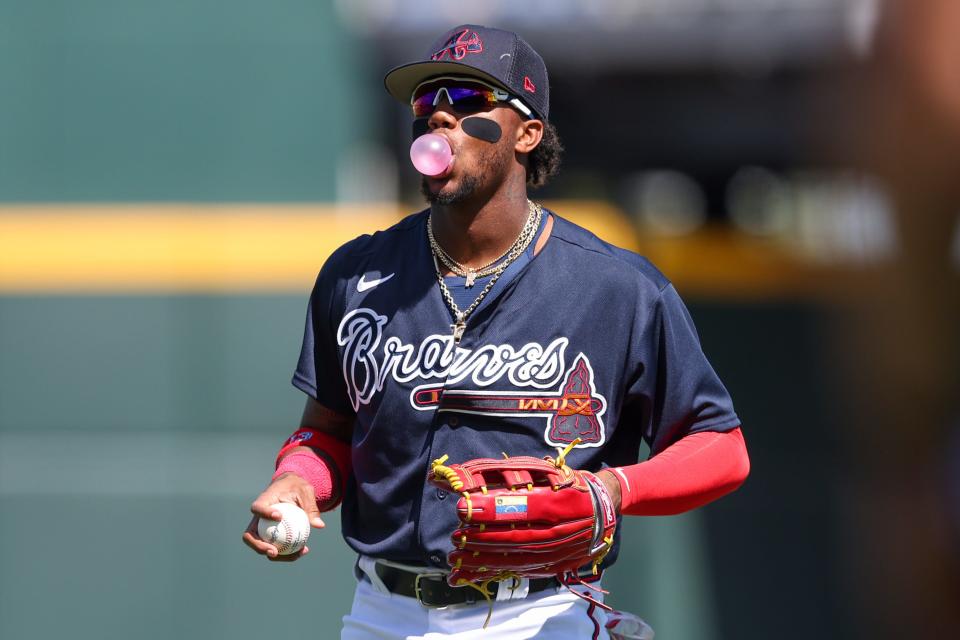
x,y
529,134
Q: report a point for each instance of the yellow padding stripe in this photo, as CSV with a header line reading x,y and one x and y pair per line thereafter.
x,y
237,248
131,248
196,247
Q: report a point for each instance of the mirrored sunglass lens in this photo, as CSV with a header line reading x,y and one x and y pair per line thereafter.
x,y
423,103
464,98
468,98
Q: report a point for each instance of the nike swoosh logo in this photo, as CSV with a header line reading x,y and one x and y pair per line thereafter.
x,y
363,285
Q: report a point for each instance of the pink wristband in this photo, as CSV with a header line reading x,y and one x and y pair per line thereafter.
x,y
315,470
326,466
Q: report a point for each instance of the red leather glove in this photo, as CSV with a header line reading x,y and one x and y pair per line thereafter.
x,y
524,516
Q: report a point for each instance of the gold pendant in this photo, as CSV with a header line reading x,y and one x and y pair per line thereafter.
x,y
458,330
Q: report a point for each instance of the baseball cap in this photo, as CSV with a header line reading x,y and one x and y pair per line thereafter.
x,y
501,58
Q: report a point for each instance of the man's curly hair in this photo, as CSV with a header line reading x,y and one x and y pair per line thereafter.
x,y
544,161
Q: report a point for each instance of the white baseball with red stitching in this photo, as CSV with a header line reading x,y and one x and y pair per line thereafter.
x,y
290,533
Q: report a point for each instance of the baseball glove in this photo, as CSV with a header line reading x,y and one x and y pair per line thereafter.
x,y
525,517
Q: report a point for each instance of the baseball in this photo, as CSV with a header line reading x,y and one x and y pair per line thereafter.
x,y
289,534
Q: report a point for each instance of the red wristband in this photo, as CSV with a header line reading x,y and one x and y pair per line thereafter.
x,y
326,467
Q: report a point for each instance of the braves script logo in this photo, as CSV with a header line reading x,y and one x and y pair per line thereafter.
x,y
568,398
459,45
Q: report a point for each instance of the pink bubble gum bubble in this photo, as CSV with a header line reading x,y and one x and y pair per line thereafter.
x,y
431,154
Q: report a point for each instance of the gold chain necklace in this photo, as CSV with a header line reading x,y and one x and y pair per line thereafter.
x,y
470,273
516,250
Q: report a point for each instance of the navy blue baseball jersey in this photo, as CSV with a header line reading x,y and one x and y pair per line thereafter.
x,y
584,340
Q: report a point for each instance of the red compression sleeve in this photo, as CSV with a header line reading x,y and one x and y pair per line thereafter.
x,y
326,465
693,471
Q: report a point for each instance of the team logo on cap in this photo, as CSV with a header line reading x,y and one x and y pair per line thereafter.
x,y
459,45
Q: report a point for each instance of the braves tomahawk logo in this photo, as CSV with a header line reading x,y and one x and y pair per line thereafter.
x,y
566,398
459,45
573,411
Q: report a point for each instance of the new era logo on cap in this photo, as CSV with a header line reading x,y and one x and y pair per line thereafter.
x,y
499,57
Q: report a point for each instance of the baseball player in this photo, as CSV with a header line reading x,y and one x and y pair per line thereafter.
x,y
480,375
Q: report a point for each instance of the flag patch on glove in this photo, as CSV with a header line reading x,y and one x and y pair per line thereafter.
x,y
511,507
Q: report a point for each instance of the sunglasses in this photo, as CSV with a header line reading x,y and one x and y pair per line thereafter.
x,y
464,95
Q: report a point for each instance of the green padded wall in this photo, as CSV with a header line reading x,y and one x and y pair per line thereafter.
x,y
198,100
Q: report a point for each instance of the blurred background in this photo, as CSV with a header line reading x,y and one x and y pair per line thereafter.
x,y
173,174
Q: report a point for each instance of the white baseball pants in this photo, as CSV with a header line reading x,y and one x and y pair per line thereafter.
x,y
551,614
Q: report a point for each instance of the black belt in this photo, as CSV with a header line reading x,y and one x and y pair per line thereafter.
x,y
432,590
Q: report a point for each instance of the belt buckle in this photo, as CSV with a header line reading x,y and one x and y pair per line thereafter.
x,y
418,593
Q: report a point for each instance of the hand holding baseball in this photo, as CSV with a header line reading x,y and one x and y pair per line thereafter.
x,y
288,534
288,489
